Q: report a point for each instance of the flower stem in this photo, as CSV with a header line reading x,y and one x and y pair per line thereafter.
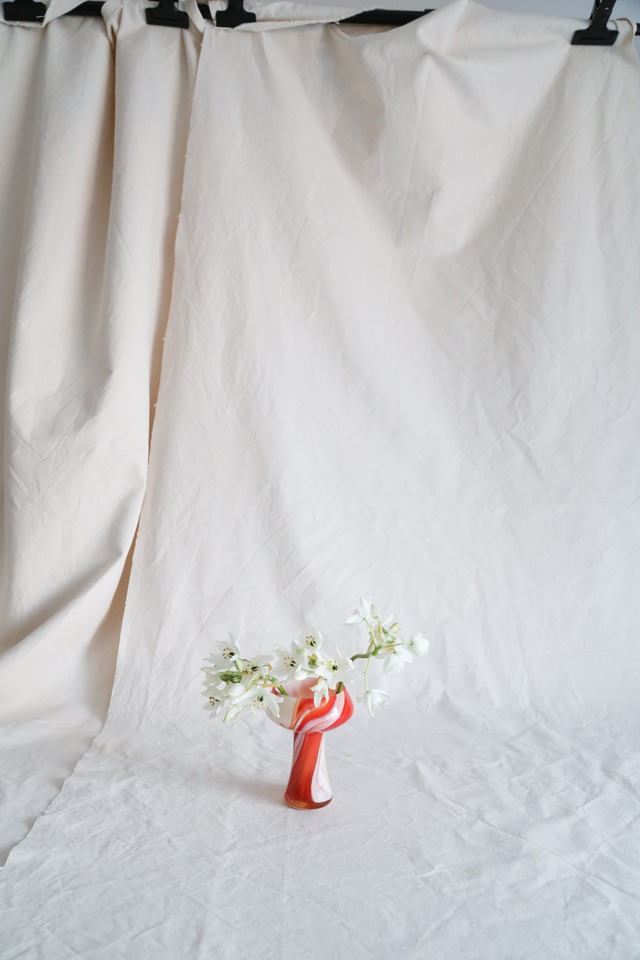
x,y
366,671
368,654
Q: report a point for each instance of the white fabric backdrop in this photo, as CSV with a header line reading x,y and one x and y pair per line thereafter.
x,y
93,145
400,360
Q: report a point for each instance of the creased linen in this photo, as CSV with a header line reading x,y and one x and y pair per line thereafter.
x,y
401,361
94,137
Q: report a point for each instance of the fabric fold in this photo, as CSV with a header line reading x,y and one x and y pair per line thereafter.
x,y
91,181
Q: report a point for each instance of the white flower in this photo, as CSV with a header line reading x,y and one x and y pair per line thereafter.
x,y
361,612
214,704
390,627
233,691
233,683
236,709
258,667
222,695
212,674
320,691
373,699
308,639
223,659
291,663
419,645
395,658
264,698
237,698
312,663
336,670
213,685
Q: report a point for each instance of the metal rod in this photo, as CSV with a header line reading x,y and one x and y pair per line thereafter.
x,y
389,18
392,18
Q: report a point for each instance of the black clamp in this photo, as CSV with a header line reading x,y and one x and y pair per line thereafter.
x,y
597,34
167,15
234,15
24,11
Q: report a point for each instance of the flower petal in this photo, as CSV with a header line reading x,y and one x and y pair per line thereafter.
x,y
419,645
364,607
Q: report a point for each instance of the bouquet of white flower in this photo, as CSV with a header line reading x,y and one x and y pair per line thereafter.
x,y
233,683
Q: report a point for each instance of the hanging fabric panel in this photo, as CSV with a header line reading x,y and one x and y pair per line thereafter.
x,y
401,360
94,140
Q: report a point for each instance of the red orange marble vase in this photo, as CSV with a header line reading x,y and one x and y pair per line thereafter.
x,y
309,786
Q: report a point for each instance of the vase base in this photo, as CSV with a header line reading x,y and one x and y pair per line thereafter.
x,y
306,804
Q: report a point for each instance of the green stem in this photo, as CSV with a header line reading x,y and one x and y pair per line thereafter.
x,y
368,654
272,681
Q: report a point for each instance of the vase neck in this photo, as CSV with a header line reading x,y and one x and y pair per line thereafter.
x,y
308,782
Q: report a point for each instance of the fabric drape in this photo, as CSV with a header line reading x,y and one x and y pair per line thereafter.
x,y
93,145
400,361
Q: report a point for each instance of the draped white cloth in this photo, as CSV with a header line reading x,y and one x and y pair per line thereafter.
x,y
93,145
400,360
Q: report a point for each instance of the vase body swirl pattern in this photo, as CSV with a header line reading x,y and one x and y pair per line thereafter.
x,y
309,785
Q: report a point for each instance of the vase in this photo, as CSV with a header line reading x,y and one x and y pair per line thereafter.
x,y
309,786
